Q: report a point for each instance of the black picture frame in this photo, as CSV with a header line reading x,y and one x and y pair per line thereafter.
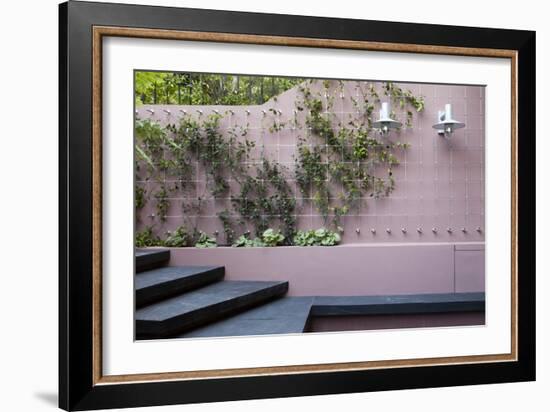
x,y
77,389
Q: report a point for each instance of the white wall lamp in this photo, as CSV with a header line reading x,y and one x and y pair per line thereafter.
x,y
385,122
446,125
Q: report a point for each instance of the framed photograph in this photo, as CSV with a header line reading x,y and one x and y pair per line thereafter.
x,y
256,206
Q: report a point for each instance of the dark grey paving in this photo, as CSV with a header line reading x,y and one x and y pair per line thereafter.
x,y
398,304
285,315
204,305
156,284
150,258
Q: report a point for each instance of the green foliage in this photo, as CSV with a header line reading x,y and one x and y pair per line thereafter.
x,y
205,241
208,89
177,238
339,163
272,238
150,132
144,157
220,155
346,154
139,197
174,149
146,238
163,203
150,136
263,199
276,126
269,238
245,241
266,198
242,241
227,222
404,98
319,237
312,176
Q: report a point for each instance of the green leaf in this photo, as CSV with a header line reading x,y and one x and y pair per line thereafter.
x,y
144,156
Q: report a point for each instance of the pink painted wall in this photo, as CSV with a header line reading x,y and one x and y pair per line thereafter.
x,y
376,322
351,270
469,264
439,183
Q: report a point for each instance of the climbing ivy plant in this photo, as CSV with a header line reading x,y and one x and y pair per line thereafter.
x,y
267,198
222,155
338,160
339,163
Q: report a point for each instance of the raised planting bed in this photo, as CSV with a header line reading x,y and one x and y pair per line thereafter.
x,y
351,270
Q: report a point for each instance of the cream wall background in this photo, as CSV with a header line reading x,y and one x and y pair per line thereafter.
x,y
28,307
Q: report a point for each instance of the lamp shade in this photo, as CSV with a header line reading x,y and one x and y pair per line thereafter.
x,y
385,122
446,124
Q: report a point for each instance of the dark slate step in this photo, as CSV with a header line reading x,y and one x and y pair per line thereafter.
x,y
151,258
205,305
157,284
398,304
285,315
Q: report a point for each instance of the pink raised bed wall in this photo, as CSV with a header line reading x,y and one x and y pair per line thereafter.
x,y
351,270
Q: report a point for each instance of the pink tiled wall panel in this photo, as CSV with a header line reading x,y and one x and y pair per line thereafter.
x,y
440,192
469,267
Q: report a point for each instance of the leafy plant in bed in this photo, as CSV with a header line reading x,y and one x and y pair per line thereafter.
x,y
269,238
204,241
319,237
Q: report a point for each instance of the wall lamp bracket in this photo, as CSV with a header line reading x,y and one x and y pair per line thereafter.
x,y
385,123
446,125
